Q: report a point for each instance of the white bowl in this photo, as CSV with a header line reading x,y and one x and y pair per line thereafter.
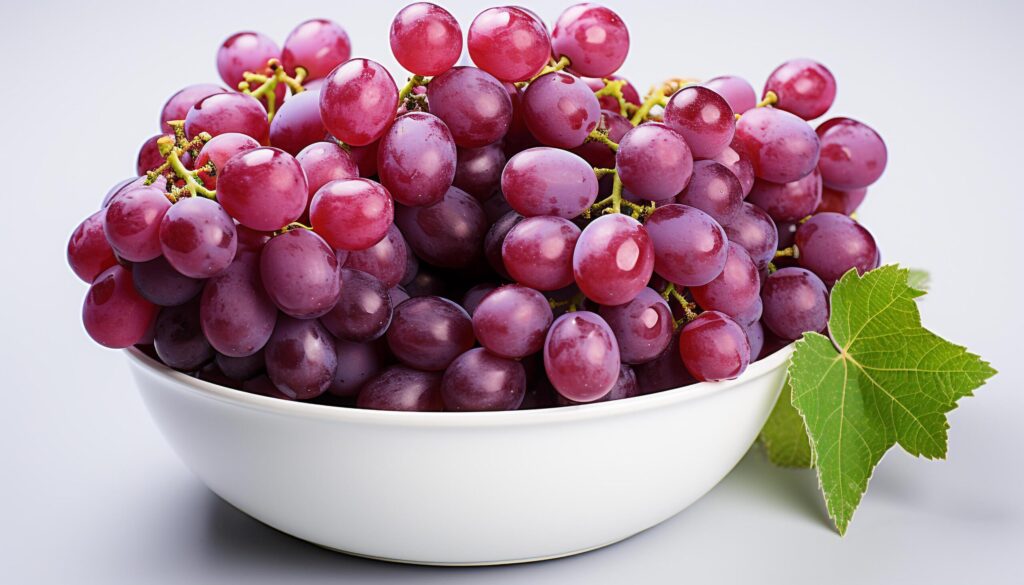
x,y
461,488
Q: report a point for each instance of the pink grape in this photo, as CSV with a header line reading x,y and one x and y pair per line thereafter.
x,y
560,110
739,166
714,347
264,188
402,388
429,332
753,229
738,92
548,181
473,105
613,259
221,113
449,233
131,223
788,201
177,106
480,381
795,301
511,321
831,244
242,52
198,238
363,311
478,170
159,283
88,251
416,159
317,45
149,156
352,214
643,326
654,161
323,162
365,158
593,37
300,273
496,237
114,314
301,358
780,146
297,123
386,259
689,246
219,151
426,39
236,314
581,356
703,118
508,42
853,155
804,87
734,290
538,252
358,102
845,202
713,189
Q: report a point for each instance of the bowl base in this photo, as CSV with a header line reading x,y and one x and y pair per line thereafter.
x,y
474,563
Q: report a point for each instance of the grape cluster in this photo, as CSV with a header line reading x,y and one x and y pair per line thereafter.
x,y
521,233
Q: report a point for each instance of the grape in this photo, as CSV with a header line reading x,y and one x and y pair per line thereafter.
x,y
735,289
689,245
385,260
323,162
714,347
241,368
471,300
509,42
703,118
512,321
479,381
518,137
496,206
581,356
754,229
738,92
780,146
755,337
221,113
364,310
804,87
713,189
787,234
219,151
250,239
352,214
300,274
549,181
416,159
795,301
397,294
357,364
753,311
478,170
131,223
124,185
428,332
197,237
264,387
599,154
613,259
845,202
297,123
449,233
625,386
401,388
739,166
301,358
263,188
242,52
654,161
149,156
831,244
560,110
426,283
426,39
318,46
495,238
114,314
365,158
358,101
89,253
473,104
538,252
593,37
235,312
665,372
610,103
788,201
177,106
179,339
853,155
159,283
643,326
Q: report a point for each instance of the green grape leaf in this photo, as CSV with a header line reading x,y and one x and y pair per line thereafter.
x,y
784,436
882,380
919,279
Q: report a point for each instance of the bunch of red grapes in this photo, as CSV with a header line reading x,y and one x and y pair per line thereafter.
x,y
521,233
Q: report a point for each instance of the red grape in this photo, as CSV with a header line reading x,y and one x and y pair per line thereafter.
x,y
703,118
738,92
739,166
300,273
221,113
734,290
89,253
473,105
219,151
795,301
352,214
512,321
301,358
428,332
198,238
149,156
853,155
358,363
416,159
178,105
613,259
297,123
548,181
538,252
402,388
317,45
593,37
714,347
264,188
242,52
323,162
654,161
581,356
159,283
426,39
713,189
689,246
114,313
780,146
804,87
753,229
643,326
179,340
560,110
131,223
363,311
449,233
845,202
509,42
788,201
358,101
235,312
831,244
478,170
387,259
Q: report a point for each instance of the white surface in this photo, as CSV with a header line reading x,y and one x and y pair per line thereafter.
x,y
463,488
91,493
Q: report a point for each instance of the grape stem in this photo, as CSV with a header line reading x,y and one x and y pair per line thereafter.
x,y
600,172
655,98
414,82
613,88
599,136
557,66
689,314
770,98
790,252
295,225
268,84
614,202
172,149
572,305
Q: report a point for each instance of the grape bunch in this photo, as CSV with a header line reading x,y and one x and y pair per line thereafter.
x,y
526,232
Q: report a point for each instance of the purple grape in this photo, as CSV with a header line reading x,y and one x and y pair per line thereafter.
x,y
478,380
831,244
357,364
426,39
549,181
788,201
264,189
236,315
428,332
845,202
402,388
300,273
512,321
363,312
426,283
241,368
198,238
593,37
177,106
242,52
714,347
804,87
643,326
88,251
323,162
478,170
853,155
713,189
471,300
301,358
703,118
114,314
738,92
754,229
449,233
735,289
689,245
131,223
755,337
495,238
352,214
416,159
780,146
613,259
222,113
665,372
316,45
386,259
537,252
581,356
159,283
795,301
626,386
297,123
753,311
472,104
560,110
398,295
508,42
739,166
654,162
358,102
179,339
264,387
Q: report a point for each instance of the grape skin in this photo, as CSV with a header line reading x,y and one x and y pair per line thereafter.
x,y
703,118
581,356
613,259
114,314
386,260
352,214
788,201
428,332
264,188
537,252
297,123
177,106
480,381
512,321
643,326
754,229
713,189
179,339
734,290
131,223
738,92
235,312
198,238
221,113
853,155
713,347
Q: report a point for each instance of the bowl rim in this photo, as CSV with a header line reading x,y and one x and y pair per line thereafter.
x,y
296,408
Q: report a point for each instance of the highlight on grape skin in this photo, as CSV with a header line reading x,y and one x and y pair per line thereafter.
x,y
522,229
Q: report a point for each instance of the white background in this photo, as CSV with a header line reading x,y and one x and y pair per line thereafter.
x,y
90,493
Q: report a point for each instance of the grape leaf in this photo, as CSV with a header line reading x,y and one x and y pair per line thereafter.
x,y
919,279
882,380
784,436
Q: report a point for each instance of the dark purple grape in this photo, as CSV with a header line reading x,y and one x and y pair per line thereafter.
x,y
241,368
416,159
496,237
714,347
357,364
795,301
471,300
478,380
179,339
300,273
363,312
788,201
402,388
831,244
754,229
472,104
581,356
755,337
512,321
713,189
427,333
613,259
301,358
398,295
159,283
198,237
548,181
665,372
236,314
689,246
386,259
449,233
643,326
478,170
263,386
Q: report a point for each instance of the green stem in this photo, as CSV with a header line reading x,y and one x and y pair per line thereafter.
x,y
598,136
770,99
558,66
613,88
171,153
600,172
790,252
671,292
657,97
414,82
